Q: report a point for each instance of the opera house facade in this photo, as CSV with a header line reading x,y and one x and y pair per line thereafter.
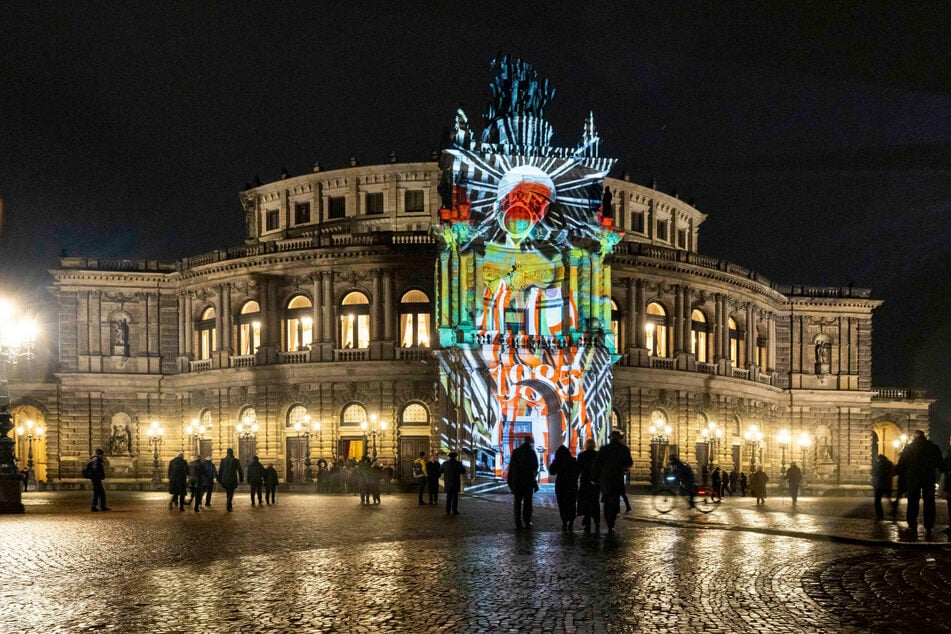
x,y
505,288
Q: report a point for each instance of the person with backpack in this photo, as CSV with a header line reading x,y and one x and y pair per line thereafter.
x,y
178,481
230,475
96,472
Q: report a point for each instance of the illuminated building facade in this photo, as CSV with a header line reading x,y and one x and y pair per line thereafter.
x,y
507,287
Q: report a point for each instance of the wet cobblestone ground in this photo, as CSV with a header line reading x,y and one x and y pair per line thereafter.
x,y
324,563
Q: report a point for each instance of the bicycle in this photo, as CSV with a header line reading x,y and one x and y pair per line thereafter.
x,y
705,499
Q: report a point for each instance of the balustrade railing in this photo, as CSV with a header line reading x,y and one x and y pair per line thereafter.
x,y
298,356
413,354
199,366
242,361
351,354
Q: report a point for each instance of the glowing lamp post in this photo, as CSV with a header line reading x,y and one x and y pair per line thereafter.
x,y
803,442
754,438
31,431
17,340
712,435
660,437
196,431
899,443
155,432
783,438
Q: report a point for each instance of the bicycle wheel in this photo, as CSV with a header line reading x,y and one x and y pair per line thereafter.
x,y
704,502
664,500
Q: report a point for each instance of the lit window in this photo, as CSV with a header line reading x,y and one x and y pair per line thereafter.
x,y
415,311
698,335
355,321
206,334
761,347
413,201
249,328
734,343
616,322
354,415
414,413
374,204
296,418
656,330
298,324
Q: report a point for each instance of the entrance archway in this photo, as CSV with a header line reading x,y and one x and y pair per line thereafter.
x,y
886,432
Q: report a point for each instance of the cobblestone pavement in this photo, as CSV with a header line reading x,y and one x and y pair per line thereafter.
x,y
324,563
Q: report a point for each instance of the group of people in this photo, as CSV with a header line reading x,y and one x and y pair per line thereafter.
x,y
345,476
199,476
582,484
427,474
918,467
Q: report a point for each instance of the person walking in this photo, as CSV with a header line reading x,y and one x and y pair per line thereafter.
x,y
230,475
178,481
794,480
588,506
882,472
452,472
363,475
97,473
433,470
565,469
270,484
743,483
685,478
522,480
194,481
419,474
716,480
208,475
758,481
256,480
917,465
612,461
734,481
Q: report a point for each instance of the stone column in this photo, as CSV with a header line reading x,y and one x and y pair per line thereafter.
x,y
640,320
718,321
376,313
750,337
388,305
189,337
631,321
316,316
477,299
688,320
442,310
95,325
678,321
327,307
226,318
771,345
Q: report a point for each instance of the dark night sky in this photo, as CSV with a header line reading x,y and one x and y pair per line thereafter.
x,y
816,136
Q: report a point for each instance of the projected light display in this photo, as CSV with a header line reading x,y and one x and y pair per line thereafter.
x,y
524,292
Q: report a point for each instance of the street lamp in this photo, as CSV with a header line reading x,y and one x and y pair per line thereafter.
x,y
783,438
754,437
196,431
712,435
378,428
155,434
803,442
247,429
32,431
17,340
899,443
305,431
660,436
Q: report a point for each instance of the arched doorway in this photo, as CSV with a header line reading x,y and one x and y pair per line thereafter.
x,y
883,441
29,429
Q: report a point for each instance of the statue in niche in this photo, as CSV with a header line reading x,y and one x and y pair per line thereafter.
x,y
120,338
121,440
823,354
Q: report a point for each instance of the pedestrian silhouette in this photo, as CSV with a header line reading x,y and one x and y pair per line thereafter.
x,y
565,469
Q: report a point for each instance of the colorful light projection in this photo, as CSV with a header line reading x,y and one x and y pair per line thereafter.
x,y
522,284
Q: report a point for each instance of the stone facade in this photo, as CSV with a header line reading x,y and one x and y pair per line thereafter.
x,y
326,278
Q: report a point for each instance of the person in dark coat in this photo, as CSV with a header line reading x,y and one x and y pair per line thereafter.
x,y
882,473
208,475
230,475
743,484
452,471
588,492
565,469
98,475
917,464
794,480
364,475
758,480
270,484
433,469
178,481
256,480
612,461
194,481
522,480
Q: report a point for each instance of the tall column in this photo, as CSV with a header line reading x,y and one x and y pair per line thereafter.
x,y
688,321
771,346
573,293
640,324
182,332
189,324
376,312
327,307
631,313
596,303
388,305
750,336
479,287
442,310
226,320
718,320
317,315
678,320
273,335
95,327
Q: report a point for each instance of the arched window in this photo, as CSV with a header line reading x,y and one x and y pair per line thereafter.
x,y
298,415
205,334
353,415
735,339
698,335
355,321
656,330
415,414
415,312
249,328
298,324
